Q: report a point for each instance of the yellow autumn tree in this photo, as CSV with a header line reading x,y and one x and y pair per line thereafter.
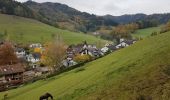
x,y
165,28
82,58
54,53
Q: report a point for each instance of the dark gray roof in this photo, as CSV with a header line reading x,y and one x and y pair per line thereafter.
x,y
19,49
36,55
112,47
42,69
129,42
11,69
29,73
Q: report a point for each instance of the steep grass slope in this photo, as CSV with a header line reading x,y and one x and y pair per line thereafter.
x,y
25,30
146,32
138,72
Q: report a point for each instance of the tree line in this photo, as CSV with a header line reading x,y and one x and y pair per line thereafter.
x,y
15,8
12,7
121,31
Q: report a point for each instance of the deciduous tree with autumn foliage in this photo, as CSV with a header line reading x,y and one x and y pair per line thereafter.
x,y
54,53
165,28
7,54
82,58
124,31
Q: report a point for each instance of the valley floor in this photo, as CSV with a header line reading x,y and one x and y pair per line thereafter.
x,y
139,72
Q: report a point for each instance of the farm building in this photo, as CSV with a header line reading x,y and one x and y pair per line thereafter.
x,y
12,74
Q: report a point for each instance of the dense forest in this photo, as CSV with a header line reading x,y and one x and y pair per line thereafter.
x,y
15,8
143,19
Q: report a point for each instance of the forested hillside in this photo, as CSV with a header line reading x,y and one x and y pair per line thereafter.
x,y
69,18
143,18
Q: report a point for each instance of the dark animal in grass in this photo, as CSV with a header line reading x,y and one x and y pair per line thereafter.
x,y
46,96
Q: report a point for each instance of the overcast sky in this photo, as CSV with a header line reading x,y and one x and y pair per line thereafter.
x,y
116,7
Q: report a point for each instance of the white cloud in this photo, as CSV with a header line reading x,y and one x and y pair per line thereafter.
x,y
116,7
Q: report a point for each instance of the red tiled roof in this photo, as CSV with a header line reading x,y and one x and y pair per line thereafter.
x,y
11,69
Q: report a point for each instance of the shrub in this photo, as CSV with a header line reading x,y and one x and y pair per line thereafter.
x,y
82,58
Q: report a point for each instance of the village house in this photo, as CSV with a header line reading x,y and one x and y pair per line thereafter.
x,y
95,52
72,50
107,44
112,48
125,43
34,73
29,75
82,49
20,52
11,74
109,48
41,70
69,62
92,51
105,49
36,45
96,33
33,58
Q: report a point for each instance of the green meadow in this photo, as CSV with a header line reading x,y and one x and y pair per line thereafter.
x,y
24,30
146,32
133,73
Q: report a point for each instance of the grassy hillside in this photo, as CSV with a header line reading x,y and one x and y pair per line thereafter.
x,y
146,32
139,71
27,30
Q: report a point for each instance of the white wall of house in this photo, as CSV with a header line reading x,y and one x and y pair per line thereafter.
x,y
20,54
35,45
90,53
105,49
31,59
122,44
67,63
